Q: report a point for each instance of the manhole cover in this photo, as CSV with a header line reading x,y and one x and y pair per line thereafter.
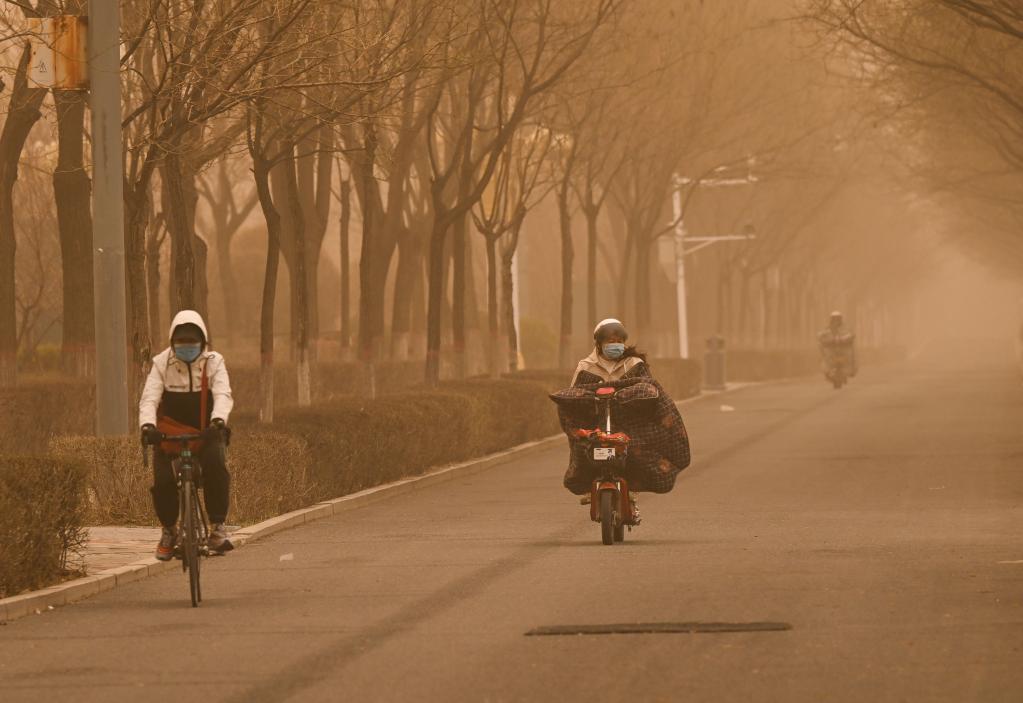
x,y
659,628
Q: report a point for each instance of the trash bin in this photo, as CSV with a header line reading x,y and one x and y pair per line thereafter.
x,y
714,364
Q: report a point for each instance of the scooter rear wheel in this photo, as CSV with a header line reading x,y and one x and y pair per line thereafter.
x,y
607,517
619,533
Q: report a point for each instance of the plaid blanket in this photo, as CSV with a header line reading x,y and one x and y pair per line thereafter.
x,y
659,449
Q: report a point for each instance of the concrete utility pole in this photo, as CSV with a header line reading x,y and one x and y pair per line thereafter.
x,y
108,218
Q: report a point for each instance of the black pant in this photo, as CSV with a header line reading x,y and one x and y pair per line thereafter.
x,y
216,483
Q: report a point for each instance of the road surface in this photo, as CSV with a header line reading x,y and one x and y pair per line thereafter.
x,y
883,523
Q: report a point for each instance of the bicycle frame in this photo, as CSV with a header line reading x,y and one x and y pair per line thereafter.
x,y
188,475
194,526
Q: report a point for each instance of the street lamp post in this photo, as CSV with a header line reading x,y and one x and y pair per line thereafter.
x,y
108,219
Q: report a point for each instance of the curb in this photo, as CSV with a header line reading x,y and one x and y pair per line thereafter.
x,y
49,598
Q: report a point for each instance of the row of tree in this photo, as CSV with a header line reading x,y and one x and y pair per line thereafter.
x,y
440,127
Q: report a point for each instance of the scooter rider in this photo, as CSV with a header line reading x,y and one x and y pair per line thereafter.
x,y
610,359
666,450
834,337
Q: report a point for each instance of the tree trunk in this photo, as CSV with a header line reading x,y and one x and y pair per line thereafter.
x,y
346,268
153,245
369,267
137,209
591,260
435,294
417,335
187,253
410,264
23,113
567,260
72,191
493,328
643,307
228,286
459,255
315,169
299,282
261,173
507,295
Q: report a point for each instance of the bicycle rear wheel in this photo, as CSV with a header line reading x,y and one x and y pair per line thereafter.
x,y
190,541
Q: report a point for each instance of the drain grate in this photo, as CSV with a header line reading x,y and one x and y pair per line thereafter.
x,y
659,628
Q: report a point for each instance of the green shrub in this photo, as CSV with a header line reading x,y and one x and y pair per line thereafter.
x,y
269,476
42,510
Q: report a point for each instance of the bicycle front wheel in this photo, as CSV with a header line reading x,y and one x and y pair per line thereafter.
x,y
190,541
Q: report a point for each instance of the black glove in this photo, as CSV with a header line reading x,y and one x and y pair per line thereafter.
x,y
216,430
151,435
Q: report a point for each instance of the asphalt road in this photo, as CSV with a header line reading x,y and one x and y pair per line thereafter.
x,y
883,523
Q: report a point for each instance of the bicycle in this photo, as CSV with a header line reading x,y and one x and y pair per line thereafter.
x,y
193,525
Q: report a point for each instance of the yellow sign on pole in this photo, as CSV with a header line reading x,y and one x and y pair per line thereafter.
x,y
59,58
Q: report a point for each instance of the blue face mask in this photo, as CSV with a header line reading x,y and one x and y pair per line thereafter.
x,y
187,352
613,350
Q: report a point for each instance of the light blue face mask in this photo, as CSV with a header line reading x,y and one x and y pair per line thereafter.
x,y
613,350
187,352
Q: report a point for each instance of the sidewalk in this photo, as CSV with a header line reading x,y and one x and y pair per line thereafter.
x,y
111,547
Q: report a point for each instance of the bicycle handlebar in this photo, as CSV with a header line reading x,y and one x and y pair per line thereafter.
x,y
181,438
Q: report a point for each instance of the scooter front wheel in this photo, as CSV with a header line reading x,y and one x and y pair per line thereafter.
x,y
620,533
607,517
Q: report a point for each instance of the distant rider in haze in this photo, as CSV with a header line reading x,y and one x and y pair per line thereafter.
x,y
172,404
835,338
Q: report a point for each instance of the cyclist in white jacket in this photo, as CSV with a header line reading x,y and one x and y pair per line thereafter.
x,y
173,394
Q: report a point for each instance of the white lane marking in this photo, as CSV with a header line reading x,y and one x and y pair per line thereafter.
x,y
287,557
1012,561
727,409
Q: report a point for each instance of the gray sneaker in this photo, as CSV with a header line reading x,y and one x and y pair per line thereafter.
x,y
165,548
219,541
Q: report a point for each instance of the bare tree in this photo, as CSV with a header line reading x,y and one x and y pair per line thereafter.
x,y
23,112
515,51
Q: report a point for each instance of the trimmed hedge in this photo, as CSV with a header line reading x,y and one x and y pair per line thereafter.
x,y
358,443
269,476
36,410
330,379
42,513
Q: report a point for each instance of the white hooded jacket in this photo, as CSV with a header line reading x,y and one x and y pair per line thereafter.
x,y
171,375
